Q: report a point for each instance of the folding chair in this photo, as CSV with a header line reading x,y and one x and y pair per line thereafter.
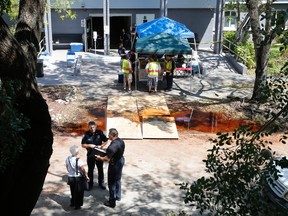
x,y
70,58
186,119
77,66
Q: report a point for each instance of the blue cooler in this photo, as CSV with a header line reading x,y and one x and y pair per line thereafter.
x,y
76,47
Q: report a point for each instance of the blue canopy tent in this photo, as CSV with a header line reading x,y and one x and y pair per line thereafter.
x,y
163,36
166,25
163,43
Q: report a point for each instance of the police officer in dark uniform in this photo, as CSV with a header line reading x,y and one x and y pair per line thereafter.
x,y
92,138
114,155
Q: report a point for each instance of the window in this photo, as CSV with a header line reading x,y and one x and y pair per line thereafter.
x,y
230,22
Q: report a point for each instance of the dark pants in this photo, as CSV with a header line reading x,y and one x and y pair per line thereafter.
x,y
169,80
133,74
91,161
114,180
76,194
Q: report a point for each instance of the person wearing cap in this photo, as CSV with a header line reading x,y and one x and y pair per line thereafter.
x,y
127,71
169,69
91,139
153,69
76,169
122,53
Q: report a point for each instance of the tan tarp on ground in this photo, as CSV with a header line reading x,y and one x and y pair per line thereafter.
x,y
160,127
122,114
145,116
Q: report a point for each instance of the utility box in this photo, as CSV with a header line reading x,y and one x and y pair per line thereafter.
x,y
120,77
39,68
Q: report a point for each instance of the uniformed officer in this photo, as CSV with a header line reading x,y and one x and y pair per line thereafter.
x,y
92,138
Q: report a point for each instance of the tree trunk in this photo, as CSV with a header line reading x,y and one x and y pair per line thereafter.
x,y
262,43
22,182
261,71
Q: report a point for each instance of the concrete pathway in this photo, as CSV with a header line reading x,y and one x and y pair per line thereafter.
x,y
99,78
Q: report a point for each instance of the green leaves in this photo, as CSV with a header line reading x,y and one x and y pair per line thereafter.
x,y
63,7
5,6
237,166
12,124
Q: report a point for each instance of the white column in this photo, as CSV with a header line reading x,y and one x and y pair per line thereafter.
x,y
106,26
50,45
163,8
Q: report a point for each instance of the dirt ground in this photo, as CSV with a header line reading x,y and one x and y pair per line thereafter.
x,y
157,164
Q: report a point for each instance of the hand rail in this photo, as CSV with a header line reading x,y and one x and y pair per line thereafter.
x,y
230,43
41,47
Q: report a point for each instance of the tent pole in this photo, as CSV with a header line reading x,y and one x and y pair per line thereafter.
x,y
136,71
197,60
195,45
190,80
132,42
197,57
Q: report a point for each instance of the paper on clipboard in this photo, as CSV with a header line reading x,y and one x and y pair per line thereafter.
x,y
98,151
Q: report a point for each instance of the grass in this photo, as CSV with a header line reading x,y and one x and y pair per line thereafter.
x,y
277,59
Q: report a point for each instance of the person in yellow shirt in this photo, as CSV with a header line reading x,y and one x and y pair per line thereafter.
x,y
127,72
153,69
169,69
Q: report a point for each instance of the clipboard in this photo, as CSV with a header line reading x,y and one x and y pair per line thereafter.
x,y
98,151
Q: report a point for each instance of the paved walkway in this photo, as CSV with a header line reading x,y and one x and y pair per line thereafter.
x,y
99,78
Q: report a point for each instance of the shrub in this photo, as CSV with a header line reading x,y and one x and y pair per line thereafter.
x,y
244,51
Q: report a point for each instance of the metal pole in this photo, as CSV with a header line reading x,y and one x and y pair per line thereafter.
x,y
85,35
136,69
49,29
95,46
106,23
221,26
46,31
217,20
161,8
218,27
165,8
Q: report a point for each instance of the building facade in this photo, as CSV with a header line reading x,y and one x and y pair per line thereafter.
x,y
197,15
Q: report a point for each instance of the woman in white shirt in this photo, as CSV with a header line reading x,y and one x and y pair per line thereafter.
x,y
75,168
